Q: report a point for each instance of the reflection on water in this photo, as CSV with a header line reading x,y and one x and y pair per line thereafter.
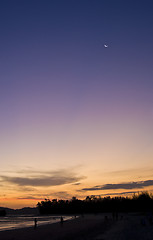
x,y
21,221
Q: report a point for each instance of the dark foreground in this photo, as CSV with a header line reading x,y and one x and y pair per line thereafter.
x,y
92,227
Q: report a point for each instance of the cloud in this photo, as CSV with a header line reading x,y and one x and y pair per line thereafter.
x,y
114,194
25,189
128,185
76,184
42,196
147,171
29,198
41,179
62,195
121,193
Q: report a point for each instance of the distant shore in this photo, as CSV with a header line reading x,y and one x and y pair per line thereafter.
x,y
88,227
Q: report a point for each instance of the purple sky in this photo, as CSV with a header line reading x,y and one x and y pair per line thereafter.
x,y
63,93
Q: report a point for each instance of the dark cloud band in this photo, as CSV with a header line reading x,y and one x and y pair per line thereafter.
x,y
128,185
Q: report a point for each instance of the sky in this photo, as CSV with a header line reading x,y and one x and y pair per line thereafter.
x,y
76,118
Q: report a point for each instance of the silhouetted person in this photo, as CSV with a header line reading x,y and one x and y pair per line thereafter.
x,y
61,221
143,222
35,223
150,218
113,215
116,215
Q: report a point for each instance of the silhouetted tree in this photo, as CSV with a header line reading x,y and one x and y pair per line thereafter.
x,y
93,204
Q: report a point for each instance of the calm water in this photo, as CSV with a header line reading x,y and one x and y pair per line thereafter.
x,y
20,221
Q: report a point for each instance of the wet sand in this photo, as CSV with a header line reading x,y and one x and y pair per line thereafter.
x,y
89,227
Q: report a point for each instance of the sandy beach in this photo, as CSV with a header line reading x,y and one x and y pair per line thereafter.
x,y
91,227
131,227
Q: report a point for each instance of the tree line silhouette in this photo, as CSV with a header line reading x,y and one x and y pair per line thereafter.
x,y
92,204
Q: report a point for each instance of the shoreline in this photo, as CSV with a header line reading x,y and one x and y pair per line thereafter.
x,y
77,228
26,223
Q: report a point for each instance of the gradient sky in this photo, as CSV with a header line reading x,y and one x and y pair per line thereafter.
x,y
76,118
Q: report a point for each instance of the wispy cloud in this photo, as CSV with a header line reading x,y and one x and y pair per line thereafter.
x,y
118,193
42,196
63,195
147,171
40,179
76,184
25,189
29,198
128,185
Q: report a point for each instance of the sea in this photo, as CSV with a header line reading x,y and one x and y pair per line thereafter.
x,y
21,221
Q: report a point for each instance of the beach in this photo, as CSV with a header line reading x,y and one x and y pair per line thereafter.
x,y
88,227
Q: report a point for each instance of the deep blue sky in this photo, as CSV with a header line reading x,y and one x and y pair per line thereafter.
x,y
53,33
47,45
